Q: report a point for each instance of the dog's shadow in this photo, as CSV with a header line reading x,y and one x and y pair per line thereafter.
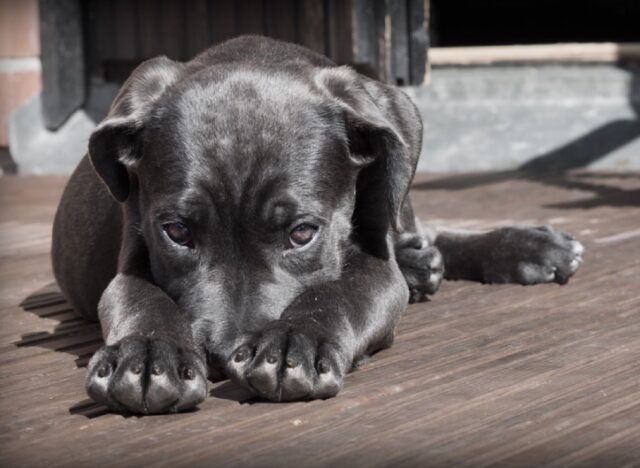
x,y
72,335
75,336
227,390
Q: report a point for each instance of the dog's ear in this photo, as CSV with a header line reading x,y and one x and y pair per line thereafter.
x,y
115,145
376,143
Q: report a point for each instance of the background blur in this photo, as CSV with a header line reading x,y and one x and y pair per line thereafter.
x,y
501,84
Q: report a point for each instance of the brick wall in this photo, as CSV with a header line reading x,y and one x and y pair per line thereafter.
x,y
20,76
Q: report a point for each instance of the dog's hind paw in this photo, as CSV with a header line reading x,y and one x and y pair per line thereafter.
x,y
532,255
288,362
146,376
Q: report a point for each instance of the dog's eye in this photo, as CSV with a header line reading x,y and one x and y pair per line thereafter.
x,y
302,234
178,233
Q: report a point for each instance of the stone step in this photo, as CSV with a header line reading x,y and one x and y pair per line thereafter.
x,y
538,117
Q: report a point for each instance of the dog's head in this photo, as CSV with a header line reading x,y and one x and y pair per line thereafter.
x,y
249,185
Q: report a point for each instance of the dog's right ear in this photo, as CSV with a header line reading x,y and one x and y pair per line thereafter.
x,y
115,145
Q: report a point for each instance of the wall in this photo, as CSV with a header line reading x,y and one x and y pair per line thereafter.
x,y
20,77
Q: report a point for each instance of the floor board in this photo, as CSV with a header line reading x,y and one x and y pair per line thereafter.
x,y
478,376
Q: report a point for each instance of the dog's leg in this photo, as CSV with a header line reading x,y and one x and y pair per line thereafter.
x,y
306,353
419,260
149,363
524,255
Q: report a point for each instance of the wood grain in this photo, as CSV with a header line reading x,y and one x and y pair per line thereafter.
x,y
311,25
479,376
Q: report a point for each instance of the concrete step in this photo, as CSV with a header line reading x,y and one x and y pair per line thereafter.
x,y
482,118
537,117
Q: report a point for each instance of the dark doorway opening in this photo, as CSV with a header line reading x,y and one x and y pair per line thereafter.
x,y
503,22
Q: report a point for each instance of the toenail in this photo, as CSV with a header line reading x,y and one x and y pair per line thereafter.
x,y
292,362
136,368
157,369
189,374
272,358
577,248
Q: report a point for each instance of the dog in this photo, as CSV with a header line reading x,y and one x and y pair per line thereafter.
x,y
245,215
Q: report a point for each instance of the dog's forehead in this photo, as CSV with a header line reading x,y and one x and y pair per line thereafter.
x,y
234,117
250,111
250,131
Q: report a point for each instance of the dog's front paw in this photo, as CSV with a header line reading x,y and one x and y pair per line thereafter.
x,y
531,255
146,375
288,362
422,266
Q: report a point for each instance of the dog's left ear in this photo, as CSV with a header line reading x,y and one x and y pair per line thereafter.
x,y
383,130
115,144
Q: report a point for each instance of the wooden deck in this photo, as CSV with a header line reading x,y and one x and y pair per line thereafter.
x,y
481,375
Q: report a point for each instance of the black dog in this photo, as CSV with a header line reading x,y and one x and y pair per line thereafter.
x,y
245,214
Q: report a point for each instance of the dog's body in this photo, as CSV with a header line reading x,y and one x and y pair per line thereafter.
x,y
246,215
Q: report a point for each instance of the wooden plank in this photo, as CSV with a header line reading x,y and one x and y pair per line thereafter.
x,y
223,21
119,51
311,25
397,11
579,53
99,36
62,57
339,18
197,27
250,17
124,35
149,26
418,40
480,375
280,19
173,29
365,43
383,35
